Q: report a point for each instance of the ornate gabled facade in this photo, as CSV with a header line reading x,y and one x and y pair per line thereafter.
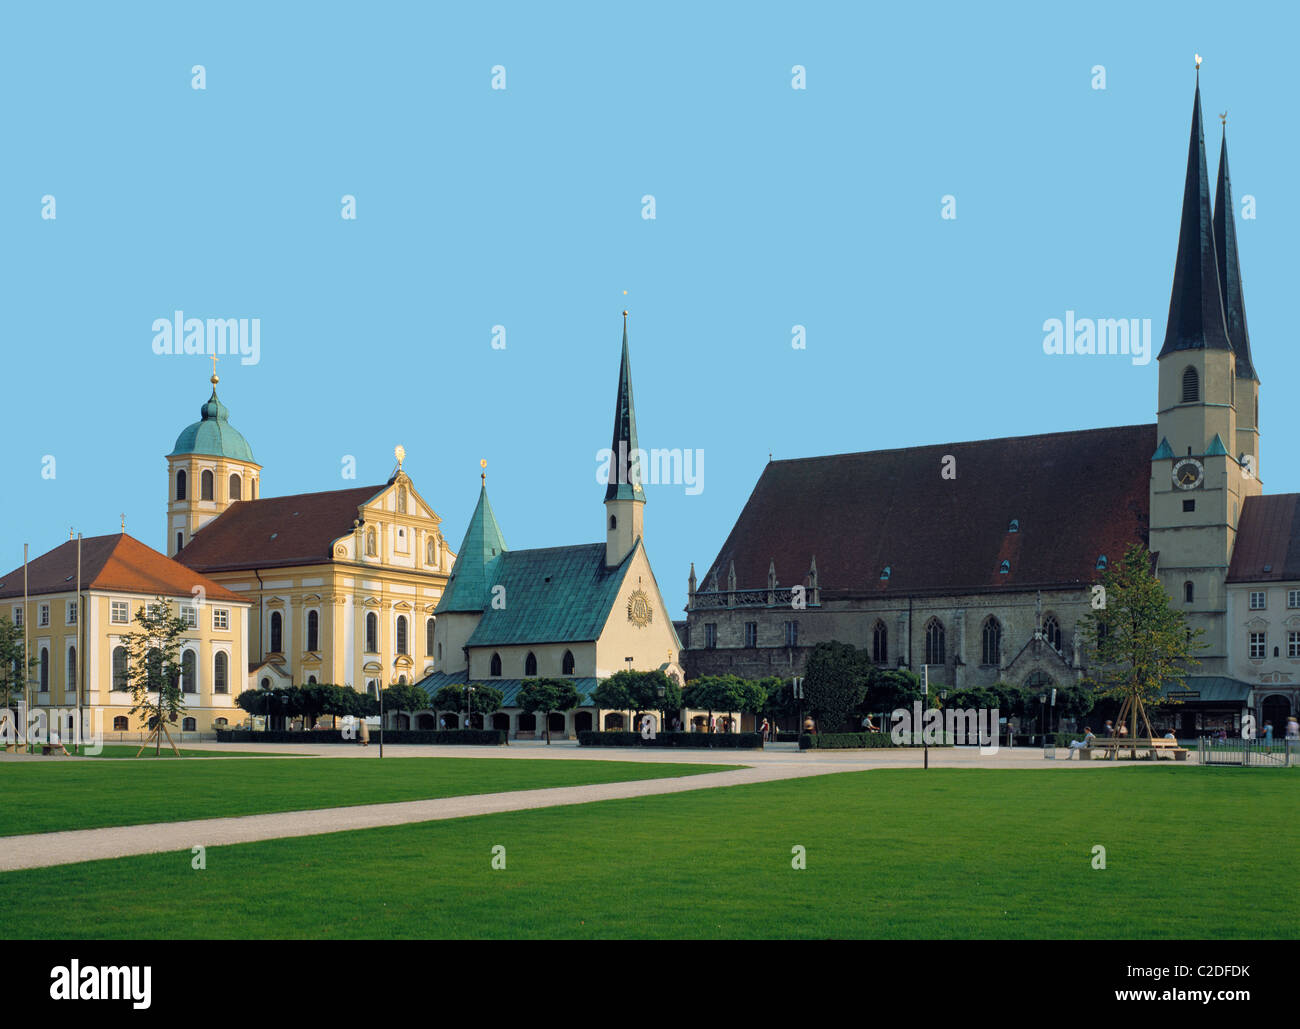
x,y
984,571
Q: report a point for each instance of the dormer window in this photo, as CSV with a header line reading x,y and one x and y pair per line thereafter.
x,y
1004,568
885,574
1014,526
1101,563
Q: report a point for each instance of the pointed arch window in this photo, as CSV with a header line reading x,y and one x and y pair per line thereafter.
x,y
496,666
566,667
207,484
935,639
313,630
236,487
277,632
1191,386
530,665
372,632
992,649
613,522
880,643
1052,632
180,484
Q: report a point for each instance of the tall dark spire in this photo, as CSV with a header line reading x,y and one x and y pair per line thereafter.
x,y
624,444
1196,319
1225,241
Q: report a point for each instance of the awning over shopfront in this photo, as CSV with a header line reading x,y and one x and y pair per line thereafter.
x,y
1218,690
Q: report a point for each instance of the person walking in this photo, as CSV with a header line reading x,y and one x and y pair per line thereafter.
x,y
1292,728
364,735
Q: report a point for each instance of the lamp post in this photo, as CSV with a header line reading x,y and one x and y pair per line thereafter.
x,y
925,703
469,707
662,713
628,662
1042,714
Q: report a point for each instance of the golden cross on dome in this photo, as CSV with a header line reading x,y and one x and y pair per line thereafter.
x,y
215,380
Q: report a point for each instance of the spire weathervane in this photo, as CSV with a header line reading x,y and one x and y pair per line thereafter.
x,y
483,474
124,521
1224,119
399,452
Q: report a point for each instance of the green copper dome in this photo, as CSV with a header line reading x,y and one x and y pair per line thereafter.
x,y
214,435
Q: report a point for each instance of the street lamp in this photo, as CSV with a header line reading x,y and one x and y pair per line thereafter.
x,y
1042,714
469,707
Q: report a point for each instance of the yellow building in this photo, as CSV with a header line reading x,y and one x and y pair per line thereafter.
x,y
118,576
341,585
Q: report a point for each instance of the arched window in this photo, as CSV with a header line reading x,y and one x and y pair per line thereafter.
x,y
428,637
372,688
266,684
880,643
992,649
530,665
1191,386
566,666
72,668
401,634
120,723
220,678
180,484
277,632
370,543
189,673
188,725
934,642
206,485
45,669
311,680
496,666
1052,632
180,542
613,522
119,668
401,680
236,487
313,630
372,632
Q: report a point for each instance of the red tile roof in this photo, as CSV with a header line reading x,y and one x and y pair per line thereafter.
x,y
117,563
1268,536
275,532
1076,495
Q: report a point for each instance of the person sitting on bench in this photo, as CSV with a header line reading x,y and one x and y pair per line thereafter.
x,y
1088,737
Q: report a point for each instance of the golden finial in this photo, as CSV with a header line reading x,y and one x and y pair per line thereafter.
x,y
1198,62
399,452
483,475
1224,119
124,521
215,380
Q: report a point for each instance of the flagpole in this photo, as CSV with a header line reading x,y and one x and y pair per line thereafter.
x,y
81,653
27,699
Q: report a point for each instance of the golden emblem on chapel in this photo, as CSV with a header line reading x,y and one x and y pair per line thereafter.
x,y
638,609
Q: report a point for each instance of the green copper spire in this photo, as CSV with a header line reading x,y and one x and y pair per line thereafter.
x,y
1225,241
469,587
1195,307
624,444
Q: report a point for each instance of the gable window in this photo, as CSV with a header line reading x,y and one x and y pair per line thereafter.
x,y
1257,600
1052,632
180,484
236,487
372,632
1102,563
496,666
189,673
1014,526
934,642
277,632
206,484
530,665
751,634
566,668
401,634
880,643
992,649
220,666
313,630
119,669
119,612
1191,386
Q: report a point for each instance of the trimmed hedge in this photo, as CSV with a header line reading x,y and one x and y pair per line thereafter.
x,y
854,741
479,737
702,740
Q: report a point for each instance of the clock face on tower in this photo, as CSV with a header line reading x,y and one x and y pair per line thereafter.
x,y
1188,473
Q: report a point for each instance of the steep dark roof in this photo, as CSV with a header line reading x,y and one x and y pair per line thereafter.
x,y
277,531
624,441
471,575
552,595
1268,536
1226,257
1075,495
435,681
1195,306
117,563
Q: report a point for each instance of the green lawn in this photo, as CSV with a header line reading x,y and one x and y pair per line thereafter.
x,y
58,794
121,750
1191,853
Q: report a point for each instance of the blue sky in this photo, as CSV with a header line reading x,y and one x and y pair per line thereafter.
x,y
477,207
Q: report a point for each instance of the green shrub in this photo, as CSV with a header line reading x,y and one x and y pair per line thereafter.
x,y
481,737
701,740
855,741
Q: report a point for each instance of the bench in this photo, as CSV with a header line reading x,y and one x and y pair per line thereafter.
x,y
54,748
1110,747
